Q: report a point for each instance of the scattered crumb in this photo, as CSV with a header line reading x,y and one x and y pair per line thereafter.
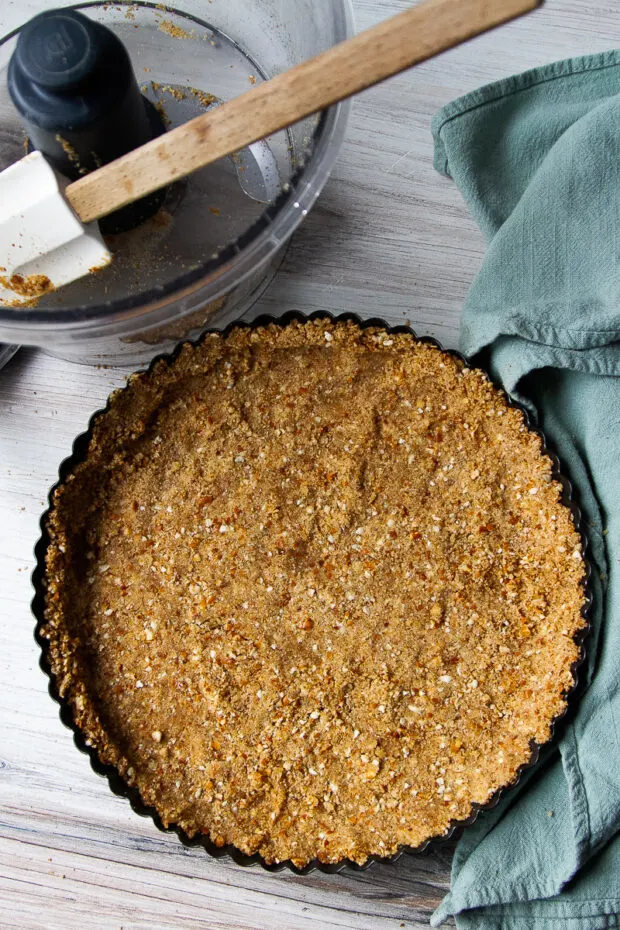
x,y
205,98
71,153
95,269
162,218
174,92
162,112
32,286
166,25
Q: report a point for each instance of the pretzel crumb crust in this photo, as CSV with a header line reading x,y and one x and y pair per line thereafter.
x,y
313,590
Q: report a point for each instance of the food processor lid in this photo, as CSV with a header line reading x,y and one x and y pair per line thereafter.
x,y
68,71
60,49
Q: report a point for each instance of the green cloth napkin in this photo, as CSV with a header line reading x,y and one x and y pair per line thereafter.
x,y
537,159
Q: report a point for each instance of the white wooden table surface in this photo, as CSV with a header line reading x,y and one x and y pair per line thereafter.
x,y
389,237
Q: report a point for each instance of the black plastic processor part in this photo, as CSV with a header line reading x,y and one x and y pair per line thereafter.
x,y
73,84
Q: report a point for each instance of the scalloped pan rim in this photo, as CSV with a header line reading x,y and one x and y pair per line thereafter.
x,y
119,787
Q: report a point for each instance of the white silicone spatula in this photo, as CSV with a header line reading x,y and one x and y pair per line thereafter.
x,y
48,229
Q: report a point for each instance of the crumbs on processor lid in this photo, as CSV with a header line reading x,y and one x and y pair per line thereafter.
x,y
313,590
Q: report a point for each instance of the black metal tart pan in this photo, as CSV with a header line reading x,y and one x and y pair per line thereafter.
x,y
122,789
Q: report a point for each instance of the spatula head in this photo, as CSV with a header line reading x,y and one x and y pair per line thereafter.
x,y
43,245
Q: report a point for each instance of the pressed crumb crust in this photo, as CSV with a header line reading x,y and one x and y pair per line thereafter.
x,y
313,590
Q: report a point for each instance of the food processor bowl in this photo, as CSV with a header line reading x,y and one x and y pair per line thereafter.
x,y
220,235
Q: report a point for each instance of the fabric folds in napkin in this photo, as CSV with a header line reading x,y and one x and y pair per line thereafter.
x,y
537,159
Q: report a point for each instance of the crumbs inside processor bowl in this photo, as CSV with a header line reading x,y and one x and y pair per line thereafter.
x,y
218,237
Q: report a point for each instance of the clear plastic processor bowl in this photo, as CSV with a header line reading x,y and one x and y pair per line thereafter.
x,y
220,236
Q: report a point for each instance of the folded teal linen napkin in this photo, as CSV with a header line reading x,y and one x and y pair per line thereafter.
x,y
537,159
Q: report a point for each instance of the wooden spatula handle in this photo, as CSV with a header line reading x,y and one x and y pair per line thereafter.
x,y
392,46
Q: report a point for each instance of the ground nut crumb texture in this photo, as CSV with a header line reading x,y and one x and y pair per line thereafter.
x,y
313,591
